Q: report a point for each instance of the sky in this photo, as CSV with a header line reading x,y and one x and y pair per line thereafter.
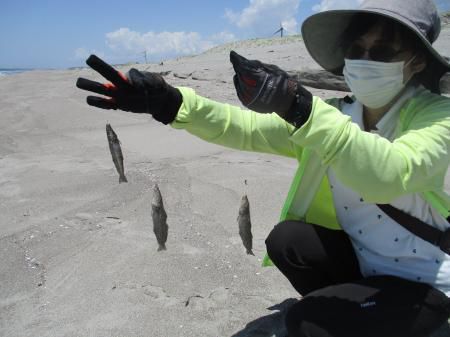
x,y
63,33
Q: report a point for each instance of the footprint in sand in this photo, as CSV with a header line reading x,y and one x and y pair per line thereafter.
x,y
202,303
158,294
154,293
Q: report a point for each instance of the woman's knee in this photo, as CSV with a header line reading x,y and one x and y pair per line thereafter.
x,y
282,236
275,240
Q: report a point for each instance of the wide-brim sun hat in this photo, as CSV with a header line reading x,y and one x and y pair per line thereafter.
x,y
322,33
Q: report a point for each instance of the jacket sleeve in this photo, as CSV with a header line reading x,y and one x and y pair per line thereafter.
x,y
381,170
234,127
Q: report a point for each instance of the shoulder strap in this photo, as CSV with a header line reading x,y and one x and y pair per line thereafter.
x,y
419,228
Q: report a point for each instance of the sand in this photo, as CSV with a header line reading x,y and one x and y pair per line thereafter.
x,y
77,251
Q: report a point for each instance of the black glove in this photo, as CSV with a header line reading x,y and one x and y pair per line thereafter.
x,y
139,92
266,88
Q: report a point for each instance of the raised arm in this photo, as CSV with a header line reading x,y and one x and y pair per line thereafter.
x,y
234,127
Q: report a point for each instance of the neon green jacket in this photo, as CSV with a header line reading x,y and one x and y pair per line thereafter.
x,y
378,169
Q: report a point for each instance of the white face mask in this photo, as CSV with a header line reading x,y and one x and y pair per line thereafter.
x,y
373,83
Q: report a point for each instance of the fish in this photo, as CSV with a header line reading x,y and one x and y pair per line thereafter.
x,y
116,153
245,225
159,216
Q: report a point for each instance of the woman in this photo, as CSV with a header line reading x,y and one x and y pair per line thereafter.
x,y
359,271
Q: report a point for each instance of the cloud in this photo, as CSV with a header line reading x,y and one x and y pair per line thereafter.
x,y
125,42
326,5
263,17
222,37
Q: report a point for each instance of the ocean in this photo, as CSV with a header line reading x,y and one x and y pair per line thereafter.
x,y
12,71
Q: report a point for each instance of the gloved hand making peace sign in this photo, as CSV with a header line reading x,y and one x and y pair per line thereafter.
x,y
266,88
138,92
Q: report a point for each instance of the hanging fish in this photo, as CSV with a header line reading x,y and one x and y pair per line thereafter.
x,y
116,153
159,216
245,225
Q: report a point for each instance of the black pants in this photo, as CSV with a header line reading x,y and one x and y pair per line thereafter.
x,y
337,300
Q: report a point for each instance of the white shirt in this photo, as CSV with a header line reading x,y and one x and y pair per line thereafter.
x,y
382,246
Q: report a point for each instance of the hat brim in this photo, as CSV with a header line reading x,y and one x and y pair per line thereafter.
x,y
322,34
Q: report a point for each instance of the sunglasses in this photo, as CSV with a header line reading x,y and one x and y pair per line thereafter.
x,y
380,53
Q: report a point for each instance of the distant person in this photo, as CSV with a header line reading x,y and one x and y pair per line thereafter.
x,y
360,271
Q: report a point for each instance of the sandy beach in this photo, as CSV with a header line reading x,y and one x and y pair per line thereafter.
x,y
78,254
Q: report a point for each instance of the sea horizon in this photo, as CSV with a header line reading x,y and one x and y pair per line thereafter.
x,y
12,71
